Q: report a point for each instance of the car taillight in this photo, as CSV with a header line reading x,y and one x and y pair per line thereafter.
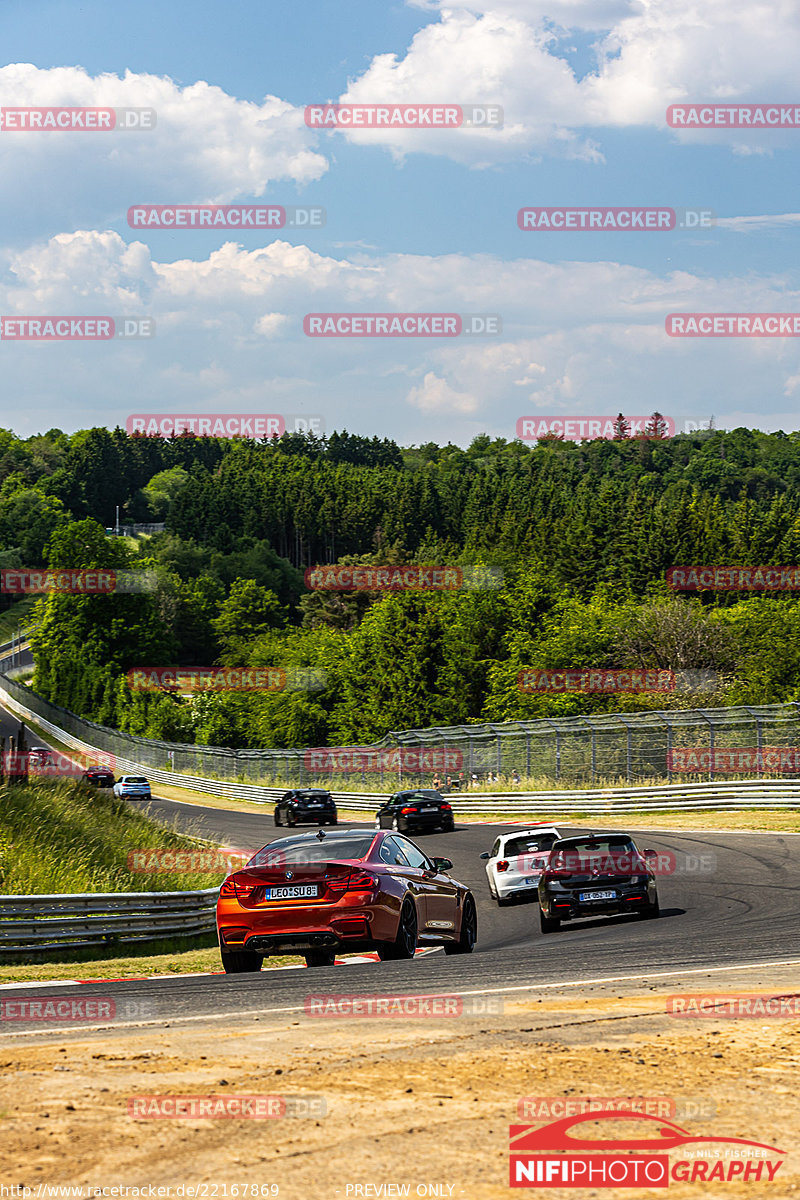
x,y
446,807
403,811
237,886
558,867
503,864
356,881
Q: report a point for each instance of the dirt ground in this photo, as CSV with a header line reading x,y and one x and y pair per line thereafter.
x,y
397,1103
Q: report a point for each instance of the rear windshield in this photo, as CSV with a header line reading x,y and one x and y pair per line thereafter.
x,y
312,851
428,797
529,845
313,795
601,845
135,779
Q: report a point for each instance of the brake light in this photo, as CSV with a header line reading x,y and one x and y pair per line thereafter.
x,y
557,867
355,881
238,887
503,864
403,811
447,807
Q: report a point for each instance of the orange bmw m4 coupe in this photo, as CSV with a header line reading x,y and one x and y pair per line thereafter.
x,y
348,890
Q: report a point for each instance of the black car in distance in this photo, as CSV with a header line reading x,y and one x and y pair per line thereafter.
x,y
99,777
417,811
306,806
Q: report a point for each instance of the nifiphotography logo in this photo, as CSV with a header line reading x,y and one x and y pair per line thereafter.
x,y
556,1156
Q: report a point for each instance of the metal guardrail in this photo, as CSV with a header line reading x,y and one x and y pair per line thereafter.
x,y
70,922
749,793
637,747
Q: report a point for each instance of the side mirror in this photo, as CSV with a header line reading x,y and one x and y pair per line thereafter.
x,y
485,854
443,864
651,854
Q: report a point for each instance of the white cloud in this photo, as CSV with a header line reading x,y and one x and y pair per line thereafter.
x,y
578,338
217,147
648,55
756,223
435,395
271,324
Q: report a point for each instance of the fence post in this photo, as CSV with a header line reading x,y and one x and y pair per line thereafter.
x,y
628,749
711,746
669,746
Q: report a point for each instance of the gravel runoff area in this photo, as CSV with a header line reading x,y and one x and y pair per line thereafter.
x,y
391,1106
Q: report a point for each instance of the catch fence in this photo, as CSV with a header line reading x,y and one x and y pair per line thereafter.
x,y
635,748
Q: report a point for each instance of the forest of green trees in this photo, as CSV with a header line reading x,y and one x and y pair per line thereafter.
x,y
582,534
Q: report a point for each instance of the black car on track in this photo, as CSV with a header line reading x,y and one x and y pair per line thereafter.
x,y
417,811
596,873
306,806
99,777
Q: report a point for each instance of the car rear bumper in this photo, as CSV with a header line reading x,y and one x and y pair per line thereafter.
x,y
423,824
516,887
302,927
570,908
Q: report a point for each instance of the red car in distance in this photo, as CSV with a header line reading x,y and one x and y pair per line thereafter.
x,y
349,890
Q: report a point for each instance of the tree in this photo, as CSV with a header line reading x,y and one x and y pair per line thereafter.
x,y
248,611
656,427
622,428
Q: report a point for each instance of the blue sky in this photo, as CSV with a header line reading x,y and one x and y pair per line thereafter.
x,y
417,221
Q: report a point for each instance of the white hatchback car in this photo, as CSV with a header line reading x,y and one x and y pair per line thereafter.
x,y
516,860
132,787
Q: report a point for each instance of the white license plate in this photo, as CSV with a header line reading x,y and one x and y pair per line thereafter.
x,y
315,804
536,880
588,896
429,808
301,892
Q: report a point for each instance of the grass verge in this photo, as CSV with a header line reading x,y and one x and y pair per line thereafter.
x,y
14,616
121,963
69,837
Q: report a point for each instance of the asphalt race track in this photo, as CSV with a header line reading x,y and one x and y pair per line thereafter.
x,y
738,905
